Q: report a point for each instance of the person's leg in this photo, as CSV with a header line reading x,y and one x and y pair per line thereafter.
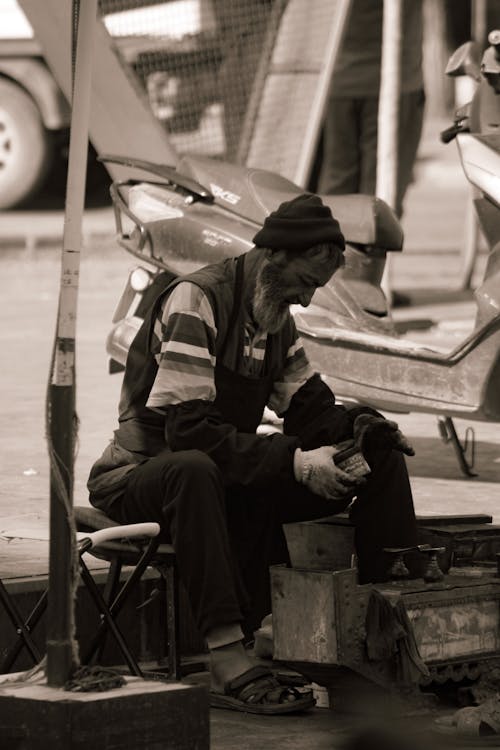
x,y
411,113
255,523
339,172
411,117
184,493
368,145
383,514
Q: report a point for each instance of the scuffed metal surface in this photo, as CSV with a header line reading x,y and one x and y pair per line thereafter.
x,y
448,632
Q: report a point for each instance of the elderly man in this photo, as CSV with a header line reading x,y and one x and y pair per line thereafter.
x,y
216,348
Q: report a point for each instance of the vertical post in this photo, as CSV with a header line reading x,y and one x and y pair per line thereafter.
x,y
388,114
479,19
471,231
61,411
317,113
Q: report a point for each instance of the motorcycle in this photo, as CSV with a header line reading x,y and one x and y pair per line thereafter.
x,y
204,210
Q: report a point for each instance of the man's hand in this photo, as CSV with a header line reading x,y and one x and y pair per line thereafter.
x,y
377,432
317,471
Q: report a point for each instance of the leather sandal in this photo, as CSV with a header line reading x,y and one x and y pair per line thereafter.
x,y
257,691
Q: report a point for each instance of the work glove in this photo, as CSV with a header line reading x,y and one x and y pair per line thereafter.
x,y
370,431
317,471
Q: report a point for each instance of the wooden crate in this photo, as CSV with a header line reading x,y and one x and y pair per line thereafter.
x,y
319,619
324,544
328,543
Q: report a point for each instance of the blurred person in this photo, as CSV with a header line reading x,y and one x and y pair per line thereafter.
x,y
349,159
216,347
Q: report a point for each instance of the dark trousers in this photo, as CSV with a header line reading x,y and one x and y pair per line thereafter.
x,y
350,145
226,538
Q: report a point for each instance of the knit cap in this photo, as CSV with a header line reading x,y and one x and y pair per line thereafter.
x,y
300,224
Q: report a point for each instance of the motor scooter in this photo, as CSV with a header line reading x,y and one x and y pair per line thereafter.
x,y
205,210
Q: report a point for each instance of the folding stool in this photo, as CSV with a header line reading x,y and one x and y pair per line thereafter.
x,y
23,626
119,553
139,554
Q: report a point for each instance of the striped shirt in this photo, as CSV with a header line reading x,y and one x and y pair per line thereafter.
x,y
183,343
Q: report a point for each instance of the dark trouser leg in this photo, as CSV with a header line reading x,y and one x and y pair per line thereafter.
x,y
411,112
383,516
183,492
368,128
411,117
255,522
340,168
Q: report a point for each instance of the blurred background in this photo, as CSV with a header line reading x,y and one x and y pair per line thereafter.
x,y
245,80
202,67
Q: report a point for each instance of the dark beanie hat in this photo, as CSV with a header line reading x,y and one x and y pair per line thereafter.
x,y
300,224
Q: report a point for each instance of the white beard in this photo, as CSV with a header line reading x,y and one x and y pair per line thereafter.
x,y
269,309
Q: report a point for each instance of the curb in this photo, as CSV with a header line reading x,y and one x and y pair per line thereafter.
x,y
48,241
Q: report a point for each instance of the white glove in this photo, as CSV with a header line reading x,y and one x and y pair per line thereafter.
x,y
317,471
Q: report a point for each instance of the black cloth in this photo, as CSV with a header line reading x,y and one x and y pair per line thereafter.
x,y
390,638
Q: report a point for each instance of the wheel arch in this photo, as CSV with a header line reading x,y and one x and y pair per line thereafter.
x,y
37,80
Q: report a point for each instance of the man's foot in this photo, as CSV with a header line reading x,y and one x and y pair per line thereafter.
x,y
227,663
238,684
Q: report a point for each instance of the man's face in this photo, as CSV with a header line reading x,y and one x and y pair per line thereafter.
x,y
286,280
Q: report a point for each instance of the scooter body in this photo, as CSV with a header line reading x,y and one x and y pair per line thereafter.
x,y
206,210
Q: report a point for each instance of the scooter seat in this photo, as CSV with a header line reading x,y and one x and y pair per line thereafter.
x,y
253,193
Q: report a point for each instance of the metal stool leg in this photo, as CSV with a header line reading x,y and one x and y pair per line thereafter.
x,y
108,620
110,612
170,588
22,627
111,588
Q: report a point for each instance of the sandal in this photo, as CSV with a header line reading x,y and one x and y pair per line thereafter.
x,y
474,726
257,691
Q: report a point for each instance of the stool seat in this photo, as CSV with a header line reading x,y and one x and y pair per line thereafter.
x,y
128,550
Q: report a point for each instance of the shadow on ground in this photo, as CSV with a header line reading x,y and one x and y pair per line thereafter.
x,y
434,458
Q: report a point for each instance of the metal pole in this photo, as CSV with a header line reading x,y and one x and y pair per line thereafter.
x,y
311,136
470,248
388,114
479,19
61,410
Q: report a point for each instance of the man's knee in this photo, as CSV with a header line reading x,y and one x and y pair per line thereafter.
x,y
386,459
193,468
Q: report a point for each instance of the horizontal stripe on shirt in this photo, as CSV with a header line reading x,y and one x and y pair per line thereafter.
x,y
183,342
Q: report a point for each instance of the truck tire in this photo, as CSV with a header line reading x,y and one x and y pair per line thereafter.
x,y
26,148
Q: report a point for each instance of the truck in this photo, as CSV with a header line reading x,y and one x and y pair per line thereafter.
x,y
175,64
34,114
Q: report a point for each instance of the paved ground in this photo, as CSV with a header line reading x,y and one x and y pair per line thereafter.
x,y
30,267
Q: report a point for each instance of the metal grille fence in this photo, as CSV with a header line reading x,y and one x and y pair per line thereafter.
x,y
241,80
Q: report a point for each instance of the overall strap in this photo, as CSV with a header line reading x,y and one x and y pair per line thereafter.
x,y
238,288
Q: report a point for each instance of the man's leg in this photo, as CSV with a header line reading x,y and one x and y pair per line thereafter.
x,y
411,112
255,523
383,514
368,119
411,117
183,492
340,166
